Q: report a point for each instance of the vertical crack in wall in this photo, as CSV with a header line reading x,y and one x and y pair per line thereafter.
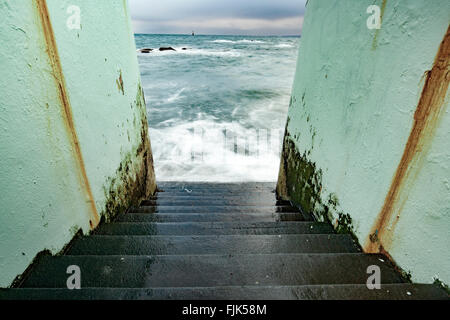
x,y
58,75
426,119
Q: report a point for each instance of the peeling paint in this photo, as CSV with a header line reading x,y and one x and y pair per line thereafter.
x,y
58,76
430,108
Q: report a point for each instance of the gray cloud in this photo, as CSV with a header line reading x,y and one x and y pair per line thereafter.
x,y
257,17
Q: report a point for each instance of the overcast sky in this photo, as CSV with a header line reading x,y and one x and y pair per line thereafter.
x,y
222,17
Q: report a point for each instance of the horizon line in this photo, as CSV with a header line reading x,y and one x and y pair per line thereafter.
x,y
221,35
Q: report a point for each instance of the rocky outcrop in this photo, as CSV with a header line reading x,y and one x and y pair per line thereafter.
x,y
167,49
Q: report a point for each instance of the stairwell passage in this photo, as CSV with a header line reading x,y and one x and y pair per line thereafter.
x,y
216,241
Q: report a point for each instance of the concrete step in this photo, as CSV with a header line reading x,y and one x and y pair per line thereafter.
x,y
218,188
229,244
216,191
214,196
214,228
215,202
215,209
211,217
211,270
317,292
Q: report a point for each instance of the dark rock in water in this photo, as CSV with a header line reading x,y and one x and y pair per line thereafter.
x,y
184,49
145,50
167,49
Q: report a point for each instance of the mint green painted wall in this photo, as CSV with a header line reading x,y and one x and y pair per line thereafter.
x,y
43,202
353,108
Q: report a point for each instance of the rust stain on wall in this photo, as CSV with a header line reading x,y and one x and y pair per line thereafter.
x,y
58,75
377,31
119,83
426,118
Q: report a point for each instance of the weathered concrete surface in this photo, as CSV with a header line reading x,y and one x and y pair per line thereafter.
x,y
366,143
74,139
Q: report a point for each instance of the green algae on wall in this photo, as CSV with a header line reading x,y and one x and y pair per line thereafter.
x,y
359,99
135,179
303,184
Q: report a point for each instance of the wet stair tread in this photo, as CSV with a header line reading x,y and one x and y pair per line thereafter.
x,y
214,202
215,196
231,244
211,217
212,270
213,228
197,209
178,193
404,291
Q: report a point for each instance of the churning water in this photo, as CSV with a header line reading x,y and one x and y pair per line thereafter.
x,y
217,110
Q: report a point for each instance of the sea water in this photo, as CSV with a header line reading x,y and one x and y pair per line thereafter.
x,y
218,109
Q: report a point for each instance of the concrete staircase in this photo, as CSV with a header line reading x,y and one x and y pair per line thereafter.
x,y
216,241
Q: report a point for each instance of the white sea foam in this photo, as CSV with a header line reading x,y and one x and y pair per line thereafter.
x,y
284,45
205,150
216,53
223,41
238,41
250,41
176,96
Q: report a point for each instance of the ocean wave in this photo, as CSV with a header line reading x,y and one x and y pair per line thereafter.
x,y
251,41
284,45
218,127
258,94
191,51
223,41
206,150
176,96
238,41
